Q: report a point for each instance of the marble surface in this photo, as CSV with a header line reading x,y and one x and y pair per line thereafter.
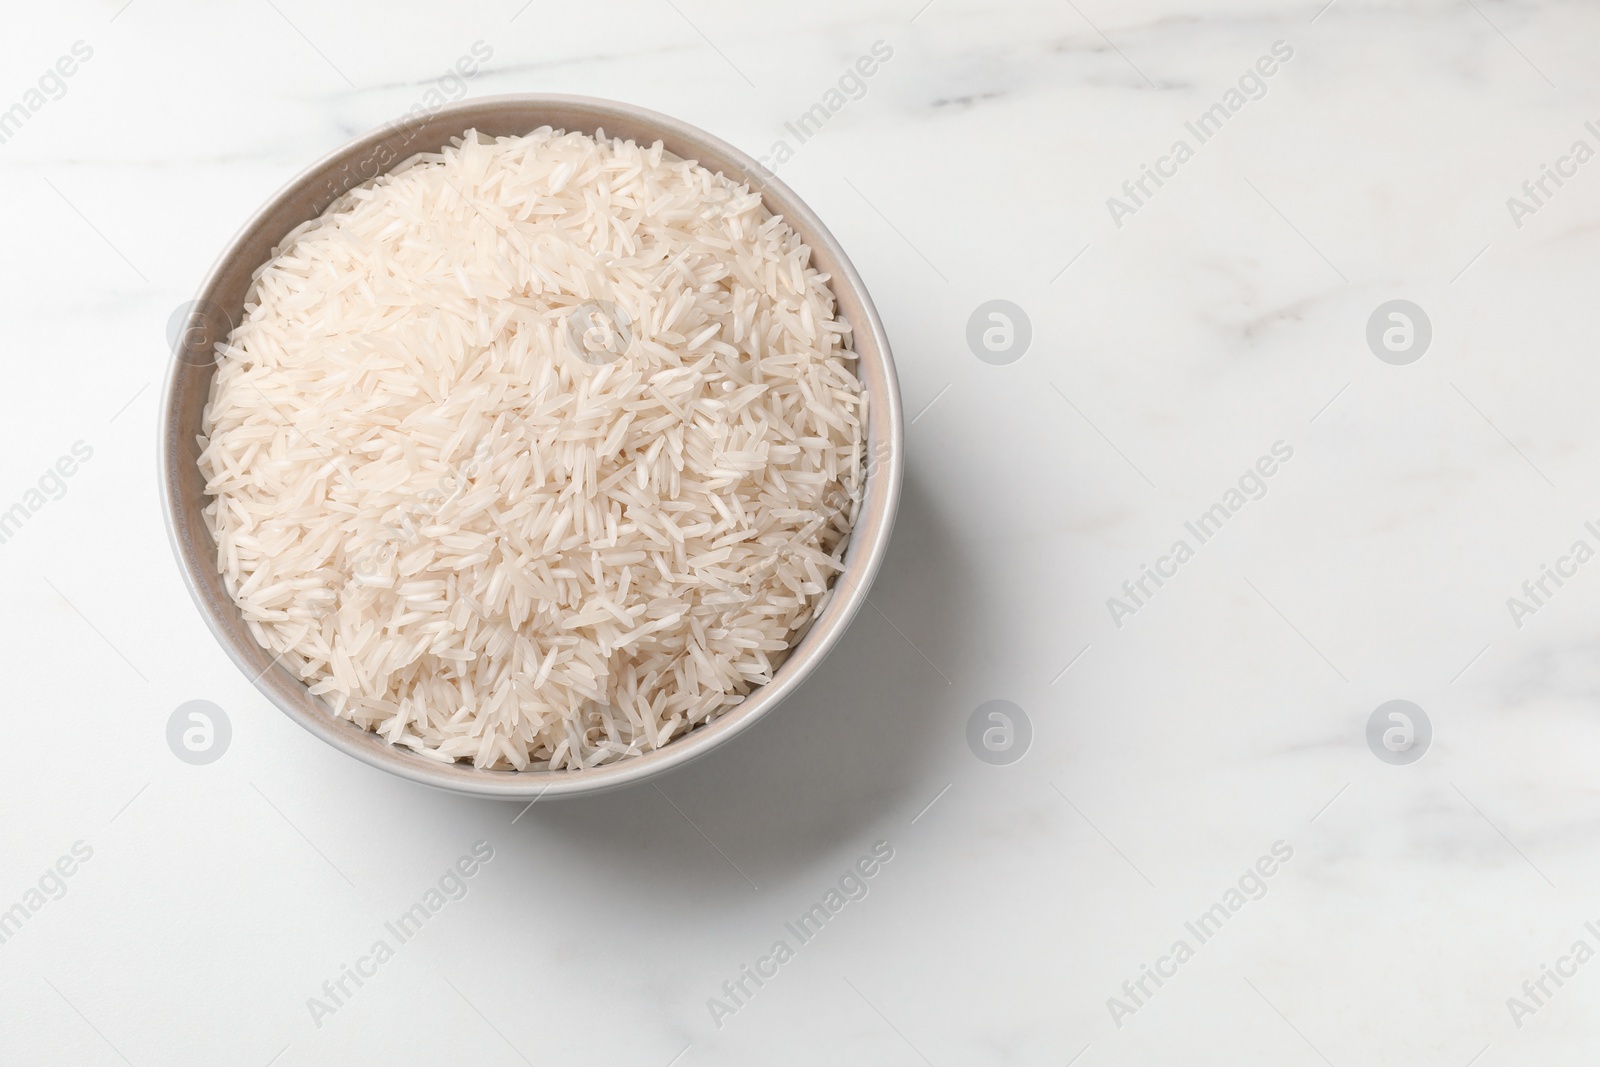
x,y
1174,743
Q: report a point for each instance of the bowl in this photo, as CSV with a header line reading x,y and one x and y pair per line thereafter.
x,y
219,306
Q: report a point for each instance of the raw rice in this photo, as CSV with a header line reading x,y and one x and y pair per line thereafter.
x,y
536,452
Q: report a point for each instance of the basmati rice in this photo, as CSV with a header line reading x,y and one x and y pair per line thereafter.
x,y
536,452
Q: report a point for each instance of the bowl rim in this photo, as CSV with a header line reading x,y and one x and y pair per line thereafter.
x,y
869,538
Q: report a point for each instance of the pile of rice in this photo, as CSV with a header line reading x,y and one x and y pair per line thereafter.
x,y
537,451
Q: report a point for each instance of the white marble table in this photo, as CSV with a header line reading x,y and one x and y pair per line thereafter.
x,y
1197,768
